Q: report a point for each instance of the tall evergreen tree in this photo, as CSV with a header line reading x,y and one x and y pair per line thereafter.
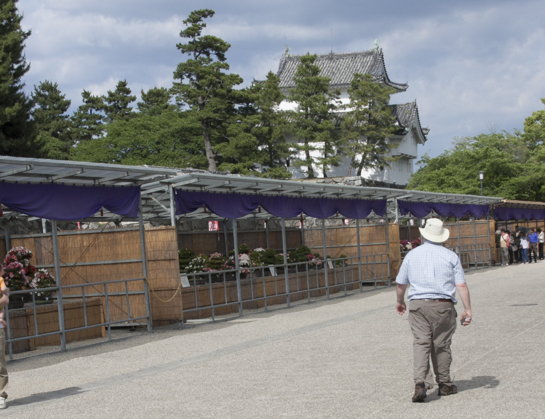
x,y
117,102
88,119
368,123
204,86
155,101
269,126
53,128
16,136
314,126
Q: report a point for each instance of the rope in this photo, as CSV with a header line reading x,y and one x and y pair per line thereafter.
x,y
168,300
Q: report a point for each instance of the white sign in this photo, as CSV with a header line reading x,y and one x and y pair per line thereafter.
x,y
330,264
185,281
272,270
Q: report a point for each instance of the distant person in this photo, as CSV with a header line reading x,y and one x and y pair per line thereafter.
x,y
433,274
505,244
524,246
4,300
541,240
533,239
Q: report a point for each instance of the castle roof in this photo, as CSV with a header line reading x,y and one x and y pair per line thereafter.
x,y
340,68
408,118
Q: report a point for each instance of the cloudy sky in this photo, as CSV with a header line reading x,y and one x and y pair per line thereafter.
x,y
472,66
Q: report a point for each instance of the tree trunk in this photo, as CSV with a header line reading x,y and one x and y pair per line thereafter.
x,y
208,150
308,159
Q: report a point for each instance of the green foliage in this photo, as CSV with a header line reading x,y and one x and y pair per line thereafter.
x,y
16,134
314,124
117,102
299,255
243,248
88,119
184,256
53,127
510,169
368,123
155,101
168,139
534,131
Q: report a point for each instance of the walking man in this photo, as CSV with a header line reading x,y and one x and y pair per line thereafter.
x,y
433,274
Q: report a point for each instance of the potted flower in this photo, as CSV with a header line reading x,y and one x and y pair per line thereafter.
x,y
20,275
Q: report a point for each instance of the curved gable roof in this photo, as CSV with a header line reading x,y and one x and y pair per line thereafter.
x,y
340,68
407,117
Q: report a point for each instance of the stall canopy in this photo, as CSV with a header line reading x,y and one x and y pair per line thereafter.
x,y
63,190
66,202
519,210
421,209
240,205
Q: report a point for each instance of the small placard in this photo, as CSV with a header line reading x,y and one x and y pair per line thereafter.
x,y
185,281
330,264
272,270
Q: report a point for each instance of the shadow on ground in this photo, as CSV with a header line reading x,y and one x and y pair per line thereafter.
x,y
50,395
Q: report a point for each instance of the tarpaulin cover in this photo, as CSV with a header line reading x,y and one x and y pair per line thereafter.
x,y
421,209
239,205
66,202
513,213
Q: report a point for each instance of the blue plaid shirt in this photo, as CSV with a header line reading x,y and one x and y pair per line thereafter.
x,y
431,271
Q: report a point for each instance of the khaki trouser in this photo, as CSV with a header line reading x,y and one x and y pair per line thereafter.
x,y
3,369
433,323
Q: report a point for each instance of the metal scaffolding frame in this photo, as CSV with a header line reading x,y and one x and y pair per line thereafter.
x,y
157,204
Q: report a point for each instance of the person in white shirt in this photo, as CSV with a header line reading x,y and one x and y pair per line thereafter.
x,y
433,275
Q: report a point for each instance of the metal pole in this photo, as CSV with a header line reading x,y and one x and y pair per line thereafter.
x,y
267,244
57,264
285,259
302,219
225,237
237,265
144,265
387,232
358,238
324,251
172,206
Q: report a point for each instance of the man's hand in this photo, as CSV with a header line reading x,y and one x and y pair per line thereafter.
x,y
466,317
401,308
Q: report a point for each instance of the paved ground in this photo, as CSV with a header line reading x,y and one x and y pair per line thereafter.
x,y
348,358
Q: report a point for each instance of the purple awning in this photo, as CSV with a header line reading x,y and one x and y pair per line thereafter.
x,y
66,202
421,209
514,213
239,205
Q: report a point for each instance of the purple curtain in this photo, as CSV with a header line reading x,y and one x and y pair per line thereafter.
x,y
238,205
421,209
512,213
66,202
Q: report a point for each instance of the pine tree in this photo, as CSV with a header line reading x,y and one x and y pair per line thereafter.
x,y
314,126
16,136
155,101
368,124
117,102
53,128
203,85
88,119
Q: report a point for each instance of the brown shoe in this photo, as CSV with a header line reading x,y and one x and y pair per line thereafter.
x,y
419,392
447,389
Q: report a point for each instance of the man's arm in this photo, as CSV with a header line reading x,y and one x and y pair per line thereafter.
x,y
463,292
400,294
4,300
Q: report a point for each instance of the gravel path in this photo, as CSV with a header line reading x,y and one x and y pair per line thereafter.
x,y
346,357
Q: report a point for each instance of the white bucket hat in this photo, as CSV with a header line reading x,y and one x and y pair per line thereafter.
x,y
434,231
